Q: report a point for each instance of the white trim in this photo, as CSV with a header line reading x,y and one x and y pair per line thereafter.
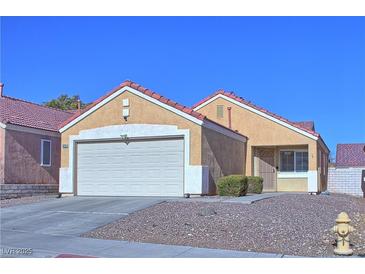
x,y
50,152
193,175
33,130
2,125
284,174
312,181
307,134
135,92
224,131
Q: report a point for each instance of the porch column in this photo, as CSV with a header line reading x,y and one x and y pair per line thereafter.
x,y
312,167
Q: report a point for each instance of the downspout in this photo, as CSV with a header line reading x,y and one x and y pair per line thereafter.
x,y
229,117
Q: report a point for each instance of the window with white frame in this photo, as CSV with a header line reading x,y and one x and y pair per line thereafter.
x,y
293,161
46,152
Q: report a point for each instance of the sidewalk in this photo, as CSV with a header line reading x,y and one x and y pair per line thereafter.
x,y
44,246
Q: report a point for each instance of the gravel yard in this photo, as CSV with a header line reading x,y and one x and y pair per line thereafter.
x,y
25,200
292,224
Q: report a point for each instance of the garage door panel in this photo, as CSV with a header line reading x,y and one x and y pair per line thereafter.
x,y
143,168
148,173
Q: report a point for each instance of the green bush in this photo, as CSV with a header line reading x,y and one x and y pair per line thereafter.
x,y
233,185
255,184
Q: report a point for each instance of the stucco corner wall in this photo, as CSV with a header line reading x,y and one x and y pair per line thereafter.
x,y
322,166
223,155
2,154
141,112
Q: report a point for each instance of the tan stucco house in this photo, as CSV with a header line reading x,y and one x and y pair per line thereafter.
x,y
135,142
290,156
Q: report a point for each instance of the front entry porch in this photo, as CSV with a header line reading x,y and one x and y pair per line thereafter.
x,y
283,168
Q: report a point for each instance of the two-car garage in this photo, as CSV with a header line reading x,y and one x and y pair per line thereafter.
x,y
147,167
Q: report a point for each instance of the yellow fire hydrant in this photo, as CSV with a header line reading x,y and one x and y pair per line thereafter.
x,y
343,229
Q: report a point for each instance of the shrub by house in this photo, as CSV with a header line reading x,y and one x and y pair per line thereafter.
x,y
232,185
255,184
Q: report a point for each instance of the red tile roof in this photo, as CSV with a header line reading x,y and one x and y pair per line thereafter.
x,y
151,94
350,155
306,124
300,125
23,113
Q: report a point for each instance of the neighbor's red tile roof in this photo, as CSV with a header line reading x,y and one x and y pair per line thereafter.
x,y
19,112
305,126
350,155
151,94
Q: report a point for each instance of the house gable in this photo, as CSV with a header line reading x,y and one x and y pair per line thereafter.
x,y
155,99
260,130
259,111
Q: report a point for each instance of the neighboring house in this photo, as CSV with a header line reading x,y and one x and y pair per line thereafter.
x,y
29,147
345,176
290,156
135,142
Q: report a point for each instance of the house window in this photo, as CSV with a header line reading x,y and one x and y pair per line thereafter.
x,y
301,161
287,161
219,111
45,152
293,161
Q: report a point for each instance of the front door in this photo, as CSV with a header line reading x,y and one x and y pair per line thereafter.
x,y
266,167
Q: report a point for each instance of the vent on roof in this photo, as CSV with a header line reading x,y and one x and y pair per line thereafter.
x,y
1,89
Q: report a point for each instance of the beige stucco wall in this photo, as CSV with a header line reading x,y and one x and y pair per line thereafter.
x,y
223,155
260,131
2,153
292,184
141,112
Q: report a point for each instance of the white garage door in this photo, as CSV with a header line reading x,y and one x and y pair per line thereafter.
x,y
139,168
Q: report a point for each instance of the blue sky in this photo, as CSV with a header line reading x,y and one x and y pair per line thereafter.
x,y
303,68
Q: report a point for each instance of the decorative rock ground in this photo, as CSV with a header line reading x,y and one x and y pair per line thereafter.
x,y
293,224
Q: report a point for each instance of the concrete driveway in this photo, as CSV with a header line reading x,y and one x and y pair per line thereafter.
x,y
70,216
